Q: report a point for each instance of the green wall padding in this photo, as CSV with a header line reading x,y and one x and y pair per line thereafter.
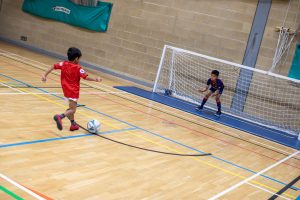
x,y
92,18
295,68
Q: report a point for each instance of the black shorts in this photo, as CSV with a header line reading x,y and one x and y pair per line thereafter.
x,y
214,89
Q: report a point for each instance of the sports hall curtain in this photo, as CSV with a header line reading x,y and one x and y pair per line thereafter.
x,y
295,68
94,18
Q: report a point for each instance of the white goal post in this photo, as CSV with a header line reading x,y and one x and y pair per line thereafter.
x,y
250,94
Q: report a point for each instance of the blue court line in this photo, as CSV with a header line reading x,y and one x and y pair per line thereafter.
x,y
62,138
158,135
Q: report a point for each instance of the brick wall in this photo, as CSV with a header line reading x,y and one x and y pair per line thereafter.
x,y
138,30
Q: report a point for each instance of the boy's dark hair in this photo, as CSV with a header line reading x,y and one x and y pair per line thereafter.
x,y
73,53
215,72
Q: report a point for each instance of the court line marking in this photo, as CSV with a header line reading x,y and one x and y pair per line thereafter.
x,y
273,193
62,138
200,123
153,134
163,110
10,193
1,82
50,93
5,54
52,101
181,117
236,118
39,68
252,177
56,103
191,129
38,193
21,187
290,184
214,166
142,103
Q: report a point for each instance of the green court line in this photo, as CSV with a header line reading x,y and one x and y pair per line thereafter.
x,y
10,193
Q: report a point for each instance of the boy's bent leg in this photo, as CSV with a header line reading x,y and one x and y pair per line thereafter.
x,y
218,104
70,114
71,110
204,100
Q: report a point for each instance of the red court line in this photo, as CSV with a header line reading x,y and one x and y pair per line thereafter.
x,y
260,154
38,193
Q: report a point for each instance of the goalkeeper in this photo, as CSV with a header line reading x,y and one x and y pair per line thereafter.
x,y
216,89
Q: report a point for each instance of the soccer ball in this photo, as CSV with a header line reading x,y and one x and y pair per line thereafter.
x,y
93,126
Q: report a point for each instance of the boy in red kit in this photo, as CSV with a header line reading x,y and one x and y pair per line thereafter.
x,y
71,72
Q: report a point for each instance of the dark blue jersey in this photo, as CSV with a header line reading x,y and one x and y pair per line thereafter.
x,y
215,85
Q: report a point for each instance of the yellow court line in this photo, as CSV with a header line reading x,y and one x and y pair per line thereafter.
x,y
169,148
4,82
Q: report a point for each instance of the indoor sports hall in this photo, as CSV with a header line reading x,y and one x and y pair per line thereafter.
x,y
149,99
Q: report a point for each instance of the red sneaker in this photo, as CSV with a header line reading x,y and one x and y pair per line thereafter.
x,y
74,127
57,119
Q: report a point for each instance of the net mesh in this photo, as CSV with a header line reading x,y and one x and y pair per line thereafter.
x,y
250,94
86,2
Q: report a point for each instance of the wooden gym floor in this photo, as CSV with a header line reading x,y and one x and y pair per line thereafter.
x,y
39,162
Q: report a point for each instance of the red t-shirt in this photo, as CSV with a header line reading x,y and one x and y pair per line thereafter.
x,y
70,78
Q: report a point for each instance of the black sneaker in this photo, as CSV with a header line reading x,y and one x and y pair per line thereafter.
x,y
218,113
58,121
199,108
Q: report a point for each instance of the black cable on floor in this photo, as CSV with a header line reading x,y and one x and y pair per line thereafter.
x,y
141,148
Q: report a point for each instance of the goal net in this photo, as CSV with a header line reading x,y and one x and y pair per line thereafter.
x,y
254,95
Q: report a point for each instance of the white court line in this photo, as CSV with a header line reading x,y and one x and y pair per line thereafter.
x,y
51,93
150,105
11,87
4,54
21,187
271,147
268,191
252,177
